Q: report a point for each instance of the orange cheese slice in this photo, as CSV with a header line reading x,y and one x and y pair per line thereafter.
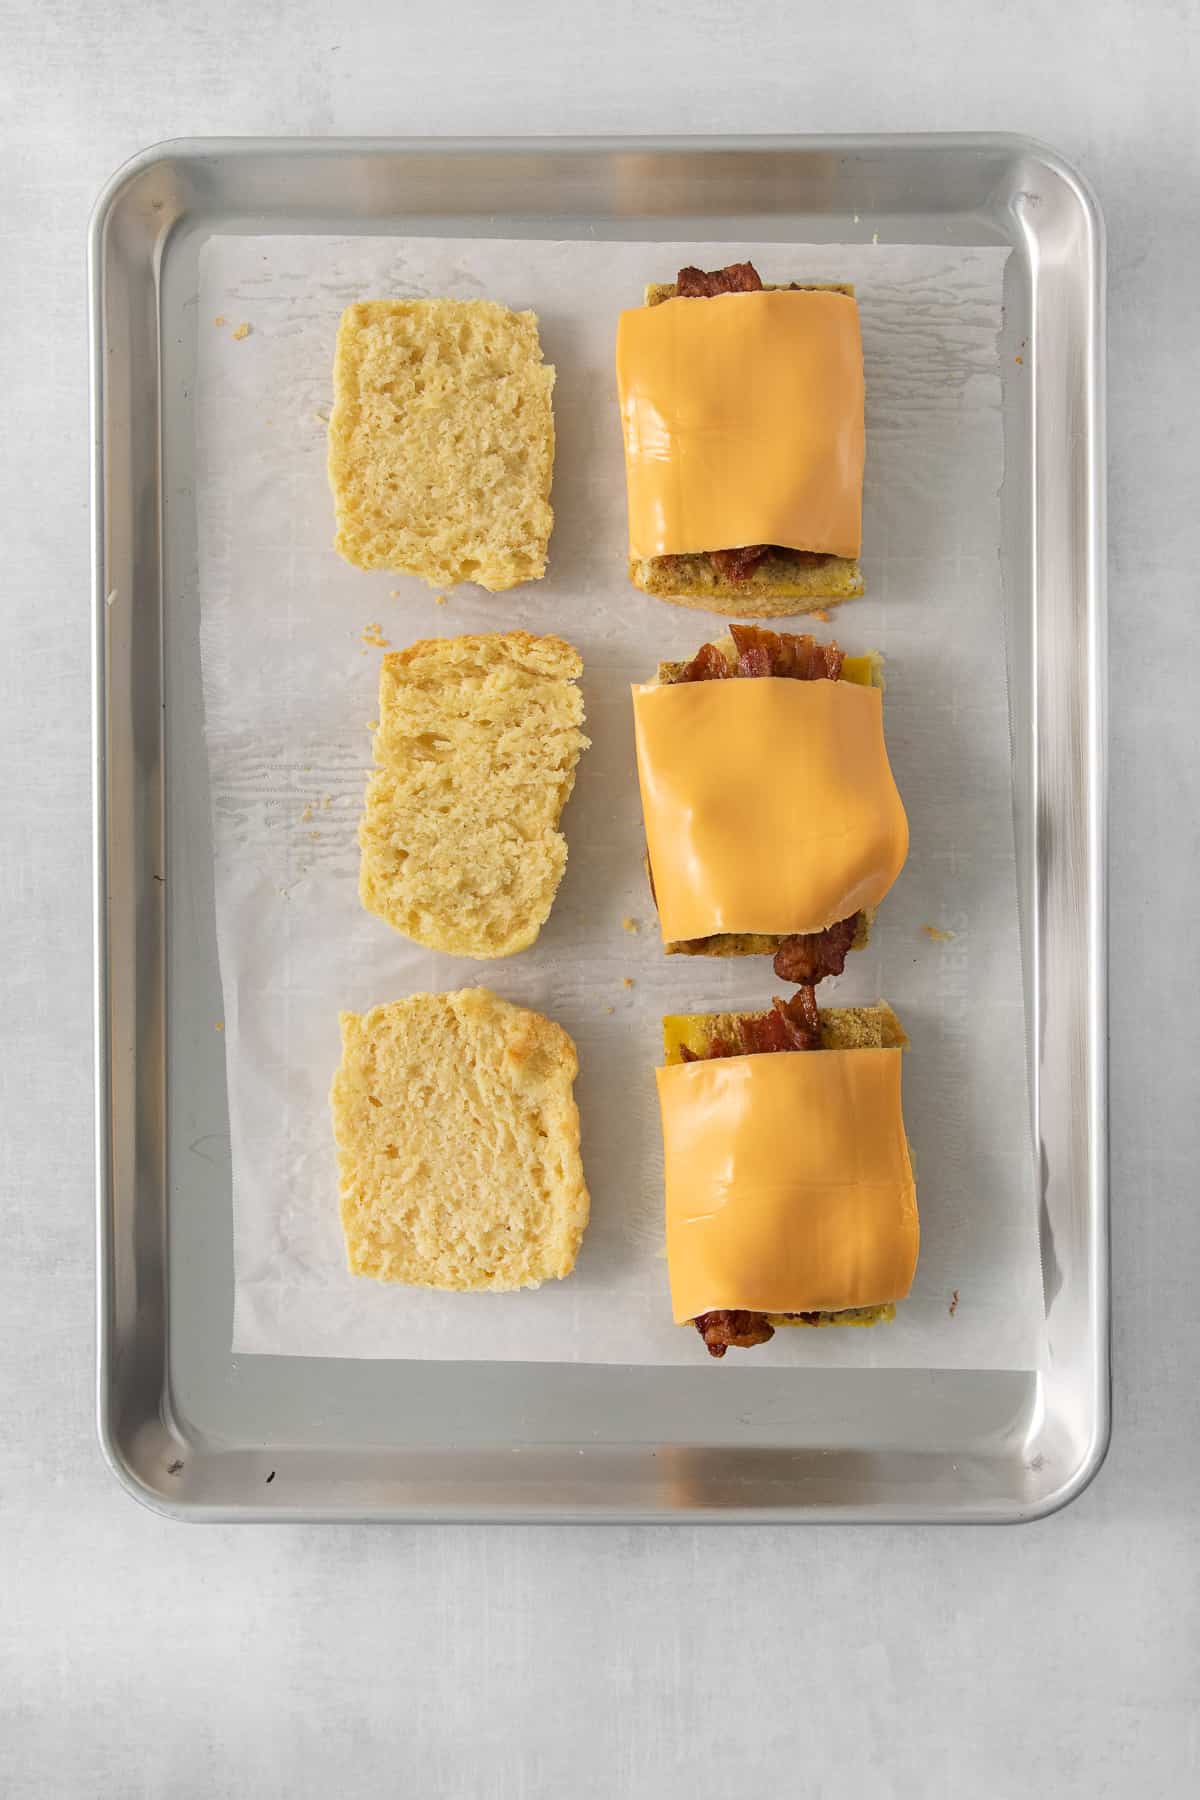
x,y
788,1182
769,804
743,420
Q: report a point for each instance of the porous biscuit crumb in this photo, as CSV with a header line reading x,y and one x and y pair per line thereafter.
x,y
441,441
476,751
458,1143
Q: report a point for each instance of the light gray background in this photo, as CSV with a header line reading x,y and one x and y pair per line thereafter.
x,y
142,1658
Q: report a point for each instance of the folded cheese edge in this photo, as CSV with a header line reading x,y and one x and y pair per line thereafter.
x,y
789,1186
865,670
743,421
769,805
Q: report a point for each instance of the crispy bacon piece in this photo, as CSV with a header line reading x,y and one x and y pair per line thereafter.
x,y
739,565
801,1018
811,956
793,1024
762,1034
796,656
742,1330
707,665
702,284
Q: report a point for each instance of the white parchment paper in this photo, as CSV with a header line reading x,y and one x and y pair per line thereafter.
x,y
290,676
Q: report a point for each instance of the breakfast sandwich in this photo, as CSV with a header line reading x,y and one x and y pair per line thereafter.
x,y
773,822
458,1144
743,412
476,747
790,1197
441,441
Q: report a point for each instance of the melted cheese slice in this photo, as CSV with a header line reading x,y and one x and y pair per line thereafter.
x,y
788,1182
769,804
743,420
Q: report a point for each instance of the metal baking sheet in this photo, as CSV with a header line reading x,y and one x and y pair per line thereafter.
x,y
198,1433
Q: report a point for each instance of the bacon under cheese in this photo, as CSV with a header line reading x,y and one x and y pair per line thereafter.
x,y
744,423
769,805
788,1183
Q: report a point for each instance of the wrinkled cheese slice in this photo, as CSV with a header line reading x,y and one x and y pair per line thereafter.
x,y
769,804
743,420
788,1182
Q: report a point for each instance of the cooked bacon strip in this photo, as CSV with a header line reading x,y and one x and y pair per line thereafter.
x,y
793,1024
700,284
739,565
742,1330
796,656
812,956
707,665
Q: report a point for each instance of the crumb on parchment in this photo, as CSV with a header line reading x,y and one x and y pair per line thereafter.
x,y
306,815
936,935
439,599
820,613
326,802
242,331
220,320
373,634
610,1010
627,981
219,1025
953,1303
628,924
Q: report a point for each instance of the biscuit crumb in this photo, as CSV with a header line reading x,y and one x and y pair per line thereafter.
x,y
439,600
373,634
326,802
306,815
628,924
610,1010
820,613
627,981
241,331
219,1025
936,935
1018,359
395,594
220,320
954,1303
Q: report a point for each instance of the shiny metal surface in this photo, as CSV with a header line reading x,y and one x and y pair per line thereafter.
x,y
197,1433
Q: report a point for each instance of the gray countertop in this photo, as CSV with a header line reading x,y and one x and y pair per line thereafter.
x,y
139,1657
